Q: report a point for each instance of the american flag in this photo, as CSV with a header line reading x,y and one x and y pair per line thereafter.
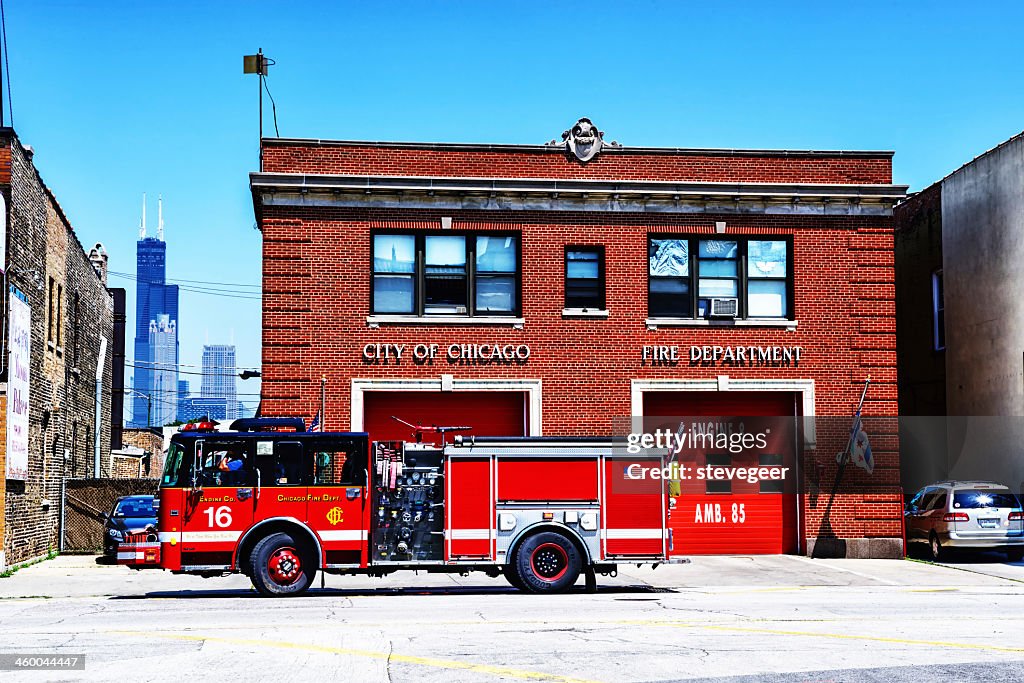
x,y
314,426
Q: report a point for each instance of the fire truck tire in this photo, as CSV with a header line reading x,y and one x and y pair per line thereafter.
x,y
547,562
510,575
280,566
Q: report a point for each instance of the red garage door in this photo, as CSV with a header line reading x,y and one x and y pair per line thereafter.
x,y
735,516
489,413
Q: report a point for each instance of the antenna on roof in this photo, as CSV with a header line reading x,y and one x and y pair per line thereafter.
x,y
160,217
142,225
260,65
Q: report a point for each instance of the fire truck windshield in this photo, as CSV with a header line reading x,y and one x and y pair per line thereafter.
x,y
173,466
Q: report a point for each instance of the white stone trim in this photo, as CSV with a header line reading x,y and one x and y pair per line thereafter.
x,y
804,387
532,388
442,320
584,312
655,323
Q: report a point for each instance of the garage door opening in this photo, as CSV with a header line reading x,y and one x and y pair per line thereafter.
x,y
488,413
736,516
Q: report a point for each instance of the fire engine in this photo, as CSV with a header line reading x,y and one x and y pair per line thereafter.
x,y
279,505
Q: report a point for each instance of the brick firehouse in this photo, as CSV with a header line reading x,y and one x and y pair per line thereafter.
x,y
560,289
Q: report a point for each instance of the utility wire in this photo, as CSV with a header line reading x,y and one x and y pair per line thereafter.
x,y
164,366
231,294
273,105
182,372
7,63
199,282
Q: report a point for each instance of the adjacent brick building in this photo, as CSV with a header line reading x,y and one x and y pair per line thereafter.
x,y
141,456
558,289
70,314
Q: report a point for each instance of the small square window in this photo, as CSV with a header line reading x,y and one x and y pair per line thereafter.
x,y
584,277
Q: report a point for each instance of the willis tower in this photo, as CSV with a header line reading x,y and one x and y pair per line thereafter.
x,y
156,308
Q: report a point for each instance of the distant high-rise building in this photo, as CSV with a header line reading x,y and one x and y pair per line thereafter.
x,y
219,376
182,398
196,408
153,298
163,342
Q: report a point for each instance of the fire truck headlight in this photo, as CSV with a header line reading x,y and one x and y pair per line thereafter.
x,y
115,534
506,521
588,521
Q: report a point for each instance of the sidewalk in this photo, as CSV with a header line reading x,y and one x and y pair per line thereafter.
x,y
80,576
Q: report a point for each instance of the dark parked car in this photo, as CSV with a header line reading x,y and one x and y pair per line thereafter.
x,y
130,514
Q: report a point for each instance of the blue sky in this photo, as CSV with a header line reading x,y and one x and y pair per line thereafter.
x,y
124,98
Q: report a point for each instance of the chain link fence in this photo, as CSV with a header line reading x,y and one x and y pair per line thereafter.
x,y
85,503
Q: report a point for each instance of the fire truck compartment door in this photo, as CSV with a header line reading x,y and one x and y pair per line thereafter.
x,y
337,507
469,496
220,509
634,509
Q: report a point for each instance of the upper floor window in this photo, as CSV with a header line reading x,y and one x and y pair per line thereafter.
x,y
430,274
938,312
584,277
729,278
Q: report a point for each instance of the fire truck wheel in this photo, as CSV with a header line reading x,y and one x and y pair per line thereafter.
x,y
280,567
510,575
547,563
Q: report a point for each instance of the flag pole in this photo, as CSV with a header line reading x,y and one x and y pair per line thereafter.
x,y
324,399
844,457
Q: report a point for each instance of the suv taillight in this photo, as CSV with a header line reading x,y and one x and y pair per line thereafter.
x,y
955,517
1016,516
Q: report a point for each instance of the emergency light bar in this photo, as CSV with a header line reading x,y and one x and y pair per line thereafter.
x,y
204,426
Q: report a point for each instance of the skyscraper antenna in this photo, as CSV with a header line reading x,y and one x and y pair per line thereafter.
x,y
142,225
160,217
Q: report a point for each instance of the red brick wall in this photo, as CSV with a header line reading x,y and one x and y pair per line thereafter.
x,y
625,164
316,285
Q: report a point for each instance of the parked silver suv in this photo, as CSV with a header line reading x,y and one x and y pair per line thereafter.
x,y
966,514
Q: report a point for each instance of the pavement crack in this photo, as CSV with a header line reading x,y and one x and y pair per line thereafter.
x,y
387,662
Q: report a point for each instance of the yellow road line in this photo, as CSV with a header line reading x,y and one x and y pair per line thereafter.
x,y
498,671
846,636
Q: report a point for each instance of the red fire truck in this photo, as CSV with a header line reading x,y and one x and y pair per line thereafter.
x,y
279,505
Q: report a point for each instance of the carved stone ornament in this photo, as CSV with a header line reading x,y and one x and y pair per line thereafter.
x,y
584,140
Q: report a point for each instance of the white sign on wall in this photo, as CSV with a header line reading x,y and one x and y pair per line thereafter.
x,y
19,342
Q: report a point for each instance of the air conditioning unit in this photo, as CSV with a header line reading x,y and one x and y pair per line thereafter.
x,y
725,308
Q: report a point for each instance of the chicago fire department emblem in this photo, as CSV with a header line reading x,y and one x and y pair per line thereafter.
x,y
335,516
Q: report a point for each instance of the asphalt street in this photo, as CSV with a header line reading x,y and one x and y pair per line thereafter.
x,y
770,618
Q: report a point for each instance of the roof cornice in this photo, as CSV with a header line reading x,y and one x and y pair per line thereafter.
x,y
544,194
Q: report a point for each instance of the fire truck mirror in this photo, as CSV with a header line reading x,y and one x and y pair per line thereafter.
x,y
197,467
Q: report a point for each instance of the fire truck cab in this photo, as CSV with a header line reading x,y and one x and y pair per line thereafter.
x,y
280,505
